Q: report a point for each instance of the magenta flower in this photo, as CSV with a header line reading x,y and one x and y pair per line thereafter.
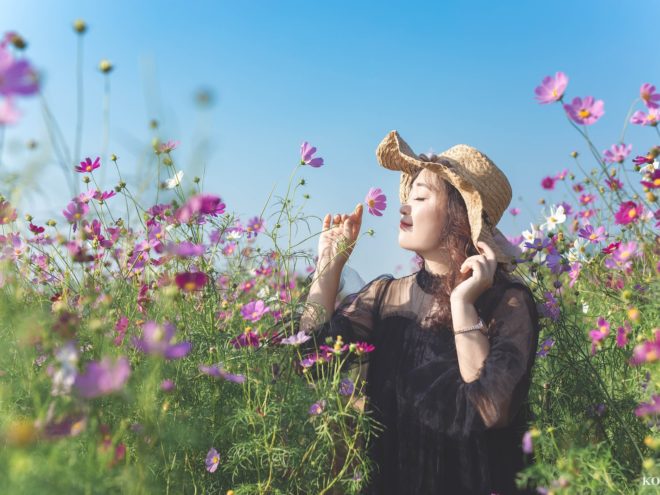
x,y
212,460
198,205
641,118
648,351
103,195
217,371
628,212
361,348
186,249
614,183
306,156
376,201
102,378
120,328
245,339
254,310
167,385
593,236
527,446
603,330
87,165
655,180
548,183
585,111
551,88
318,407
17,77
649,96
617,153
641,159
156,339
514,211
622,334
587,198
35,229
191,281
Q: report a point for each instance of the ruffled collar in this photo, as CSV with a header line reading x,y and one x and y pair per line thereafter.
x,y
429,282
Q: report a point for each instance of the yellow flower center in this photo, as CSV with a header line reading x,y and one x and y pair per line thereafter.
x,y
584,113
189,286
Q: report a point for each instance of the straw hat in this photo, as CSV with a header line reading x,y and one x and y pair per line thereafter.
x,y
484,187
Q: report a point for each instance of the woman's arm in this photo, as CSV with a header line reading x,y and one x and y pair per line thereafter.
x,y
472,348
322,293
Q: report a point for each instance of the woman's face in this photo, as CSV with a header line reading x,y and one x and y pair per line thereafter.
x,y
424,213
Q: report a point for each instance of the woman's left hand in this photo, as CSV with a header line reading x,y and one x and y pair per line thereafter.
x,y
483,272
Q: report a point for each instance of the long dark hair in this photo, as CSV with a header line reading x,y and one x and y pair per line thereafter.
x,y
457,240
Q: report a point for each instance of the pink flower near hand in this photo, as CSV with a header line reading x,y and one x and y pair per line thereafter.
x,y
306,154
87,165
649,96
376,201
551,88
585,112
254,310
641,118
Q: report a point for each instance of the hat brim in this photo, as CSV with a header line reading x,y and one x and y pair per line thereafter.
x,y
394,153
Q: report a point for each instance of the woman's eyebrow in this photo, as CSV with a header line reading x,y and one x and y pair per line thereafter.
x,y
423,185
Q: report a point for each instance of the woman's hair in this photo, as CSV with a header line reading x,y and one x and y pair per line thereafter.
x,y
456,238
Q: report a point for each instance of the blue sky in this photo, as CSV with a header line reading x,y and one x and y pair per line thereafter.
x,y
340,75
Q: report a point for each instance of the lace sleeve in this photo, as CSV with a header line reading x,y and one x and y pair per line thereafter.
x,y
503,381
492,400
354,318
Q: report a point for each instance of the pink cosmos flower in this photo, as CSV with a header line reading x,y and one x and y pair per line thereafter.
x,y
527,446
561,175
641,118
167,385
102,378
217,371
168,146
593,236
103,195
120,328
611,247
74,212
200,204
376,201
7,213
587,198
614,184
514,211
548,183
245,339
545,347
254,226
296,339
629,212
254,310
156,339
87,165
621,258
17,77
648,351
8,112
622,334
617,153
212,460
191,281
649,96
585,112
306,154
551,88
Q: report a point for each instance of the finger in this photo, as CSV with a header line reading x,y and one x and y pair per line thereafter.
x,y
326,221
487,250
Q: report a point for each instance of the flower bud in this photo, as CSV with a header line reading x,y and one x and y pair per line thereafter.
x,y
196,180
651,197
167,160
28,217
113,157
105,66
574,154
51,223
86,179
79,26
17,41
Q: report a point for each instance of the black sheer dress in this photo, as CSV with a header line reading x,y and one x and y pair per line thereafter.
x,y
436,439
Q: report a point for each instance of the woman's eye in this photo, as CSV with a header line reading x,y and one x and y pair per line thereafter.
x,y
420,199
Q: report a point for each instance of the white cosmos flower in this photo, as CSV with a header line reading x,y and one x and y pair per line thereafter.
x,y
650,167
529,236
556,217
174,181
578,251
585,307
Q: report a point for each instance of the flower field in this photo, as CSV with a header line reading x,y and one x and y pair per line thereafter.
x,y
154,348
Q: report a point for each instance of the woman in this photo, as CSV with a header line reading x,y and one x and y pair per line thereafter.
x,y
454,342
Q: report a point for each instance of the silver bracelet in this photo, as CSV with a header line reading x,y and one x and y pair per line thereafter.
x,y
479,326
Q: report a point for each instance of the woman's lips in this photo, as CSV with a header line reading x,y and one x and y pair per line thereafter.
x,y
404,226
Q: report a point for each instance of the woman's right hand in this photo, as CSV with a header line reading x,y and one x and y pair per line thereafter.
x,y
337,241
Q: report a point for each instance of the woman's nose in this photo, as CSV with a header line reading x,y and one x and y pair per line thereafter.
x,y
403,209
